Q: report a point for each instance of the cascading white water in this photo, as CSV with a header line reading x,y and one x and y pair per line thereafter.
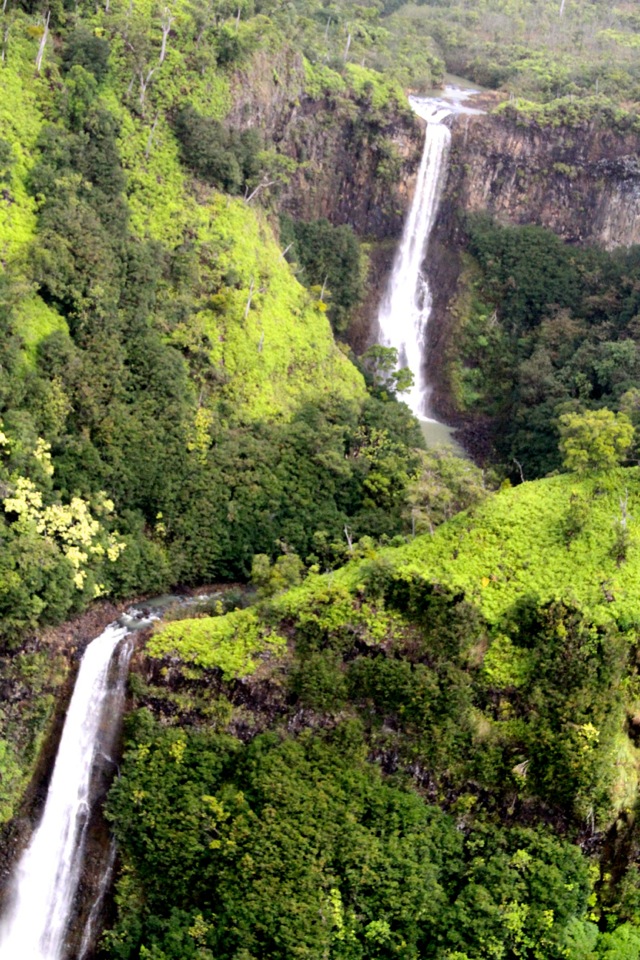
x,y
48,873
406,307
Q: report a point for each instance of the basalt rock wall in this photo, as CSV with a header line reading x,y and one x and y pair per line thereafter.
x,y
357,162
582,183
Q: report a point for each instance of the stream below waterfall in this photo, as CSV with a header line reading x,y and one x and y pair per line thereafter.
x,y
41,898
405,310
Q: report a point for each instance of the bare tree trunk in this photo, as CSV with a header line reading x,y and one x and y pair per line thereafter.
x,y
562,7
4,7
324,287
43,43
624,505
286,251
125,32
250,298
150,138
261,186
238,20
144,83
347,48
519,466
347,534
167,20
5,42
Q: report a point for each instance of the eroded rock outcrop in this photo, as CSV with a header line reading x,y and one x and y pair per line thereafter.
x,y
357,163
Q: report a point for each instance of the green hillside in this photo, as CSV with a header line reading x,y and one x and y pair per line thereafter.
x,y
490,669
146,305
552,539
548,541
172,399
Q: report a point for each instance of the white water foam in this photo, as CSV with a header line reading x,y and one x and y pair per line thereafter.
x,y
47,875
406,307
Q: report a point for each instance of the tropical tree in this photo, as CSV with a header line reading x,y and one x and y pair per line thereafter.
x,y
594,440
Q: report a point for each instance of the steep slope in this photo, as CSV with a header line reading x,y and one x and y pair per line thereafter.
x,y
284,334
543,556
489,669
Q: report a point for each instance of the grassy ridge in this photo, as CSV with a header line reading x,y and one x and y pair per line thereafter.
x,y
517,544
488,669
520,543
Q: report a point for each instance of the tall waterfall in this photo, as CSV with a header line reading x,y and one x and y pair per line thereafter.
x,y
47,876
406,307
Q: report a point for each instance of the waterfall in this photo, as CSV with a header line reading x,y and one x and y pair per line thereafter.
x,y
406,307
47,875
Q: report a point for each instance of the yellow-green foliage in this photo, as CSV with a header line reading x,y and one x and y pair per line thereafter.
x,y
234,642
623,39
159,206
323,604
321,80
35,320
71,527
231,643
272,342
515,544
283,352
20,122
370,84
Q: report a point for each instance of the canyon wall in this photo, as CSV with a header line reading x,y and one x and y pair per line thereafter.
x,y
582,183
357,162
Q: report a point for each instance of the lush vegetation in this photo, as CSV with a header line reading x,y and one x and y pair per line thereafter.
x,y
575,60
300,848
331,263
561,62
141,310
419,749
545,330
488,670
172,400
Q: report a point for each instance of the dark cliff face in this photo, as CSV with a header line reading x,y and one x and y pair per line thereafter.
x,y
584,184
357,163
